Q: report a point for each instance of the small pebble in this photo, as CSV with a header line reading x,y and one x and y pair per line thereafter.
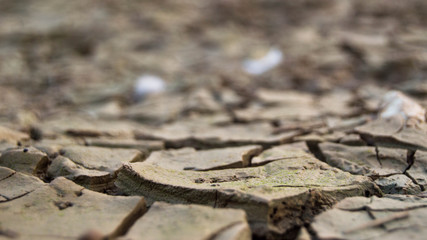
x,y
148,84
259,66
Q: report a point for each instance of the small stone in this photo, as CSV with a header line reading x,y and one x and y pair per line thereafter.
x,y
36,133
63,205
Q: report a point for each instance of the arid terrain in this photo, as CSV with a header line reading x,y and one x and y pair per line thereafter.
x,y
213,120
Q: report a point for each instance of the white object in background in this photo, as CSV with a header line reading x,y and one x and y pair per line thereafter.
x,y
259,66
396,103
148,84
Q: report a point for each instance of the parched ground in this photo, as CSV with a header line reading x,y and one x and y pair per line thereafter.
x,y
272,119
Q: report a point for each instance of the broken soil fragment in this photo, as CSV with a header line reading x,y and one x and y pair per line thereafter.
x,y
63,209
84,126
194,222
190,159
276,197
141,145
201,135
102,159
52,146
26,160
92,167
92,179
396,132
14,184
282,152
398,184
392,217
393,133
362,160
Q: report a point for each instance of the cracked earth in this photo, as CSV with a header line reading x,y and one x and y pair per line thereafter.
x,y
224,120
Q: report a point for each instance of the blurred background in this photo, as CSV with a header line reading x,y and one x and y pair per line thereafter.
x,y
57,53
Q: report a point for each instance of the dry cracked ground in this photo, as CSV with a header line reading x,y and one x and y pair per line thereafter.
x,y
260,119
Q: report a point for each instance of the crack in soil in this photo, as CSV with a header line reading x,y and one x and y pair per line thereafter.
x,y
311,185
8,176
11,199
223,229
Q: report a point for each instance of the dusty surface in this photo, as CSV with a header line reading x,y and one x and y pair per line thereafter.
x,y
266,113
